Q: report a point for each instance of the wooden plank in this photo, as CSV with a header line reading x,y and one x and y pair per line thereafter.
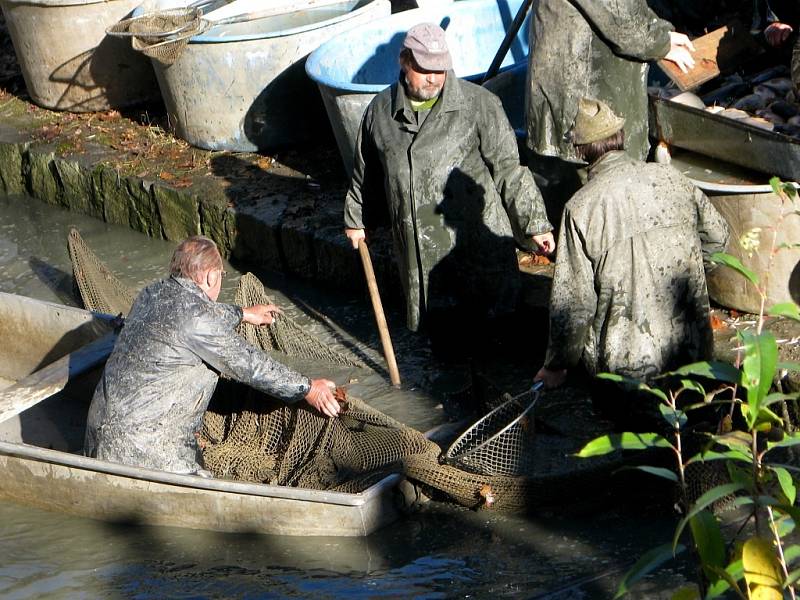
x,y
717,52
54,377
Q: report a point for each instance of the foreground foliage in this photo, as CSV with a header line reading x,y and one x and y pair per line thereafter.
x,y
753,425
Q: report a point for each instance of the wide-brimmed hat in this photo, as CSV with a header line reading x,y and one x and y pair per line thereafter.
x,y
595,121
429,47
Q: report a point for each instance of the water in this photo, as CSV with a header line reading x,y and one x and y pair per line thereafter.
x,y
440,552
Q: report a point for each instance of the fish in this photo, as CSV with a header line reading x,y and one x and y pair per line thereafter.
x,y
765,91
689,99
784,109
750,103
781,85
733,113
770,116
768,74
794,120
758,122
715,109
724,94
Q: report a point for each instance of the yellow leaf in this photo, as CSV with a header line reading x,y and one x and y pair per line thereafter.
x,y
761,567
763,592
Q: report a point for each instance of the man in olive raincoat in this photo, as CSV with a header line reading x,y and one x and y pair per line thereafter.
x,y
629,292
597,49
439,156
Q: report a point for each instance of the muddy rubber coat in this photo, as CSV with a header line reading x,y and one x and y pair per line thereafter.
x,y
454,192
160,377
629,292
595,49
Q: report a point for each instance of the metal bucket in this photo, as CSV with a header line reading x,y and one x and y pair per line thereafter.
x,y
746,201
241,87
353,67
67,60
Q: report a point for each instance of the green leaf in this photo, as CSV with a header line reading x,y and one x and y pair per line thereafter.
x,y
633,384
704,501
709,543
792,578
676,418
791,553
758,367
785,309
623,441
787,441
646,564
735,439
690,384
657,471
710,369
728,578
710,455
787,484
788,366
735,264
777,397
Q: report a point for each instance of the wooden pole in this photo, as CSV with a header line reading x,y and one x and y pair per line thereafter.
x,y
380,318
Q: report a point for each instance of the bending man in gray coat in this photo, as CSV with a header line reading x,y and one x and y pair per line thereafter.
x,y
437,155
160,377
629,293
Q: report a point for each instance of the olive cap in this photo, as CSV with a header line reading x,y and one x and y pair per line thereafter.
x,y
595,121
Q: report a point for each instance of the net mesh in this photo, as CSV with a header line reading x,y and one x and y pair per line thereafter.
x,y
99,288
499,443
284,335
163,34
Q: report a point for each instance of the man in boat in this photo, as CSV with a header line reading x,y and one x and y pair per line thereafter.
x,y
629,292
176,342
437,158
597,49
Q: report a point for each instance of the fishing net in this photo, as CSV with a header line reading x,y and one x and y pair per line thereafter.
x,y
99,288
284,335
162,34
249,436
295,446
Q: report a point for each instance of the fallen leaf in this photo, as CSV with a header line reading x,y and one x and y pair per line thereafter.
x,y
717,323
166,176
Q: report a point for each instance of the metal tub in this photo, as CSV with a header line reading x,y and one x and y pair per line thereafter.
x,y
353,67
725,139
67,60
241,87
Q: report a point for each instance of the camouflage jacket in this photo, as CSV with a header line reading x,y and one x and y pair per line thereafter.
x,y
629,293
454,193
160,377
595,49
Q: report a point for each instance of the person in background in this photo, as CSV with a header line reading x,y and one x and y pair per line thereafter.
x,y
438,157
598,49
629,291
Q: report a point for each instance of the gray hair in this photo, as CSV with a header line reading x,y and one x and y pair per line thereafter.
x,y
194,256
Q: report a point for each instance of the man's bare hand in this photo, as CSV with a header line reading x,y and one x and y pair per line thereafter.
x,y
777,33
679,51
354,235
320,396
546,242
551,379
260,314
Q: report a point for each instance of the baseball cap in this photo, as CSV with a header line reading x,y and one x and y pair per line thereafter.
x,y
429,47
